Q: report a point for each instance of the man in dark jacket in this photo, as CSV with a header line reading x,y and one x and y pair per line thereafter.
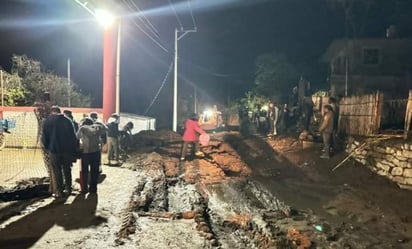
x,y
59,140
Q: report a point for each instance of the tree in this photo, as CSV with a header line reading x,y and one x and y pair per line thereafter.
x,y
34,82
275,75
14,93
252,100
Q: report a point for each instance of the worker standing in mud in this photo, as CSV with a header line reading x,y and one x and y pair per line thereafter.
x,y
273,116
284,119
334,138
308,112
125,139
190,136
326,129
113,140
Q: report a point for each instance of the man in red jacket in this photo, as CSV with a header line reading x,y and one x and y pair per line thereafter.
x,y
190,136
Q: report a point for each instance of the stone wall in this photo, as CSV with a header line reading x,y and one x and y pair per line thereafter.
x,y
390,157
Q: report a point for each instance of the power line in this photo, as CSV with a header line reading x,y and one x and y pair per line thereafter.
x,y
160,88
177,16
144,20
151,38
144,16
191,14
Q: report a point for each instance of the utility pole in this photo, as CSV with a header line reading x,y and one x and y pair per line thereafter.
x,y
118,68
69,89
195,98
2,87
177,38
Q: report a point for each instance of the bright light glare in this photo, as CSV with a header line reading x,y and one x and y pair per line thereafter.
x,y
265,108
208,113
105,18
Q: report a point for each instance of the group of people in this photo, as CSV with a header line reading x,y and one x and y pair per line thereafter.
x,y
64,141
328,126
277,117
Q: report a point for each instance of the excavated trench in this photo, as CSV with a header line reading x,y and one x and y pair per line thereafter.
x,y
24,190
216,202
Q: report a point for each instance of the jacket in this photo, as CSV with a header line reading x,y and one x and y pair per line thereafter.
x,y
89,136
327,122
113,128
191,130
58,135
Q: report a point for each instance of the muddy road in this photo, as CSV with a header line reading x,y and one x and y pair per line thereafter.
x,y
246,193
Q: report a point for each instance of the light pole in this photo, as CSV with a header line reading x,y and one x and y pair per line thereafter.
x,y
111,62
177,38
111,58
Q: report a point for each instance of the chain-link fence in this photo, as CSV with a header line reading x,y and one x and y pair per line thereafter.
x,y
22,158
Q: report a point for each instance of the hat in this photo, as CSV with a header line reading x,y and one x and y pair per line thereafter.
x,y
114,115
93,115
55,108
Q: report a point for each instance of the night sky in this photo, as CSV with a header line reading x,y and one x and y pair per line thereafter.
x,y
219,58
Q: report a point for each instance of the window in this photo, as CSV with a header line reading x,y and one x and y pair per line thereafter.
x,y
371,56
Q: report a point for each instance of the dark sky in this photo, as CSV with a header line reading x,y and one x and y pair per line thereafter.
x,y
219,58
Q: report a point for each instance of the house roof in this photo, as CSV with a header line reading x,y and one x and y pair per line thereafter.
x,y
337,46
334,48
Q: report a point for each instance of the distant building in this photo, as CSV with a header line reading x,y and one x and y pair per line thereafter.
x,y
383,64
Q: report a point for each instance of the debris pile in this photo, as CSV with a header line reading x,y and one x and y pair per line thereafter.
x,y
156,138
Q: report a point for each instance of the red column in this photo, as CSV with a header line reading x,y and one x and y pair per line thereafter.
x,y
109,71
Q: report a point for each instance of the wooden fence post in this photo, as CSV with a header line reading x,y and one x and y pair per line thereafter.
x,y
408,116
378,113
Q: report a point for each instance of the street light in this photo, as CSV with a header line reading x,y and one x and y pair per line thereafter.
x,y
107,21
105,18
111,58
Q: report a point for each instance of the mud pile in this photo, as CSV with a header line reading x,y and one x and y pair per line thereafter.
x,y
156,138
210,203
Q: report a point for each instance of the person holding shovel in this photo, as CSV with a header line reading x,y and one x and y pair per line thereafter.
x,y
190,136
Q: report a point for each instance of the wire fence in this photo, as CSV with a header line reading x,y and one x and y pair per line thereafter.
x,y
20,157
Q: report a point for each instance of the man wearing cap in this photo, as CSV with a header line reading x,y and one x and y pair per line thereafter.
x,y
69,115
113,139
60,141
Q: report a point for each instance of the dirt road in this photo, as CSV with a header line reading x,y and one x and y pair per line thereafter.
x,y
246,193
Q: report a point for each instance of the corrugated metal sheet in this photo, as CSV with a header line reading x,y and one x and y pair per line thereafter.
x,y
140,123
